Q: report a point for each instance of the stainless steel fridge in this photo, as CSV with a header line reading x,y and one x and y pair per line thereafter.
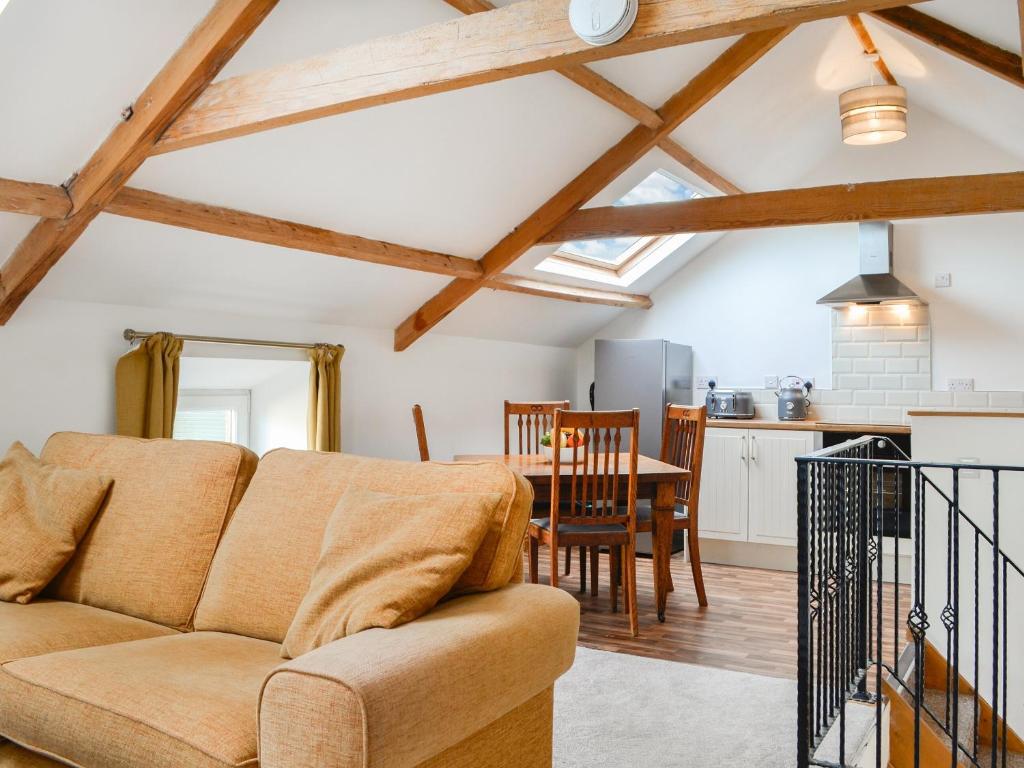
x,y
647,374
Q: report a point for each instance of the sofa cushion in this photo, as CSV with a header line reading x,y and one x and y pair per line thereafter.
x,y
44,512
187,700
149,549
13,756
45,626
264,563
387,560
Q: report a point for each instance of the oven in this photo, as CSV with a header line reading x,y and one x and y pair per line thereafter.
x,y
895,491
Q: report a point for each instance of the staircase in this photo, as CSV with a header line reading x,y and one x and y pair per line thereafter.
x,y
874,690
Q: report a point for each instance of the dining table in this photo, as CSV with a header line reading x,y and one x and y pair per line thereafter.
x,y
656,481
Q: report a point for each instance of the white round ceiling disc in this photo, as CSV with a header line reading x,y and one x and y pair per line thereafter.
x,y
600,22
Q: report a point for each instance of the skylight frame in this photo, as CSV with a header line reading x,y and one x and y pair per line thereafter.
x,y
636,259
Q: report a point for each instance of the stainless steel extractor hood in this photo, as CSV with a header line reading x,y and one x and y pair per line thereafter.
x,y
876,283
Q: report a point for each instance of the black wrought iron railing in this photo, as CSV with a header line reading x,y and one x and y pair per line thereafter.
x,y
866,625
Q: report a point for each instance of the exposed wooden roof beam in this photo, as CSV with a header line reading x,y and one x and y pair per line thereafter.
x,y
901,199
533,287
948,38
203,54
634,145
34,199
164,209
216,220
870,49
519,39
625,102
683,156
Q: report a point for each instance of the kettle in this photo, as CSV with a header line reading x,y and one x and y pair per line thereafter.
x,y
793,394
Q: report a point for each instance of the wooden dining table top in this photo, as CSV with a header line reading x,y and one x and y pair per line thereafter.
x,y
537,468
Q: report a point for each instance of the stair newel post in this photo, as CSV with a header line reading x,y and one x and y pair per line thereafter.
x,y
995,618
804,623
955,620
863,589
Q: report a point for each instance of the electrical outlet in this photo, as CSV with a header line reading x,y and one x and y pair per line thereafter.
x,y
771,382
943,279
702,381
969,474
961,385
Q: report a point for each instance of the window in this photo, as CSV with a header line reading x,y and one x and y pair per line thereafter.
x,y
213,414
621,260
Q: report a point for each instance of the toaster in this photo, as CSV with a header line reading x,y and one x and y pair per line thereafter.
x,y
729,403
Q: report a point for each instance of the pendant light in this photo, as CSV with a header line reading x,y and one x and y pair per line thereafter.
x,y
873,114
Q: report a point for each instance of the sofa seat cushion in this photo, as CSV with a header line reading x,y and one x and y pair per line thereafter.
x,y
45,626
167,702
149,549
14,756
263,566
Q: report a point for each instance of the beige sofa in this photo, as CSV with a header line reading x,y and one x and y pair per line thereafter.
x,y
159,644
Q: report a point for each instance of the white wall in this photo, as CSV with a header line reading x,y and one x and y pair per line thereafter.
x,y
278,409
57,367
747,304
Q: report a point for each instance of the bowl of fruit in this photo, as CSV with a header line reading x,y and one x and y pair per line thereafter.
x,y
565,442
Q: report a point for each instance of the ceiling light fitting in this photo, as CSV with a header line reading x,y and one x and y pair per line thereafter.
x,y
874,114
601,22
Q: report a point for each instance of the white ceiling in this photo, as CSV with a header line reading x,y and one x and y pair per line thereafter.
x,y
452,172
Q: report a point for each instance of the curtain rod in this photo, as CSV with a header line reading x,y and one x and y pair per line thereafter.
x,y
132,335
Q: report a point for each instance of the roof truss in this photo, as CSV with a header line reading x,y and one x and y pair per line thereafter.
x,y
519,39
206,50
964,46
901,199
634,145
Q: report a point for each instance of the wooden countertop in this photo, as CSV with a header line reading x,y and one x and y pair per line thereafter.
x,y
971,414
809,425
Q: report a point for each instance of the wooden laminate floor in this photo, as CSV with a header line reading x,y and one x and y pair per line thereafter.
x,y
749,625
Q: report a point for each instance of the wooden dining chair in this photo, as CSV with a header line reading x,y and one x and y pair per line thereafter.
x,y
598,510
421,432
532,420
682,445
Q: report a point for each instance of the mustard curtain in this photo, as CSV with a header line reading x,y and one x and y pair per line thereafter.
x,y
146,383
323,420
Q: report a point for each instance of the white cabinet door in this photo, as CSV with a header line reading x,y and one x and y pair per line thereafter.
x,y
723,485
772,491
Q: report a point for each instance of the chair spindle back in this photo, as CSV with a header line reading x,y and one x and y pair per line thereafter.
x,y
531,421
682,445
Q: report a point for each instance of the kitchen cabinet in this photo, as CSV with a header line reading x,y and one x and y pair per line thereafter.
x,y
748,484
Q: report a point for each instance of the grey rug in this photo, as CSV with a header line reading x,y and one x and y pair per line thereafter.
x,y
624,711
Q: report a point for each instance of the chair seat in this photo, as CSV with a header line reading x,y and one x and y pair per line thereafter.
x,y
643,511
545,523
164,702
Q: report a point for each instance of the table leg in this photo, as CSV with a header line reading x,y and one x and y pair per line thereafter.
x,y
662,511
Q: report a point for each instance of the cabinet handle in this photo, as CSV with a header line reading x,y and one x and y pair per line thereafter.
x,y
743,448
753,447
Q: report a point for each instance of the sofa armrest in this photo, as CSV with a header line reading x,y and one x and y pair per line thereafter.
x,y
395,697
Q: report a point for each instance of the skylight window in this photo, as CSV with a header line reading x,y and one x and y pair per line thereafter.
x,y
621,260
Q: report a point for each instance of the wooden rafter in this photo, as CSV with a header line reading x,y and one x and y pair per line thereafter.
x,y
625,102
216,220
870,49
901,199
695,94
534,287
28,197
227,222
519,39
203,54
948,38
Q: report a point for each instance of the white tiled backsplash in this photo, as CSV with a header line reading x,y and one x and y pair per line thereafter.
x,y
881,368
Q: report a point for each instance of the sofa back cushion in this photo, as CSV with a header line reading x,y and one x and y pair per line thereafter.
x,y
148,552
263,566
